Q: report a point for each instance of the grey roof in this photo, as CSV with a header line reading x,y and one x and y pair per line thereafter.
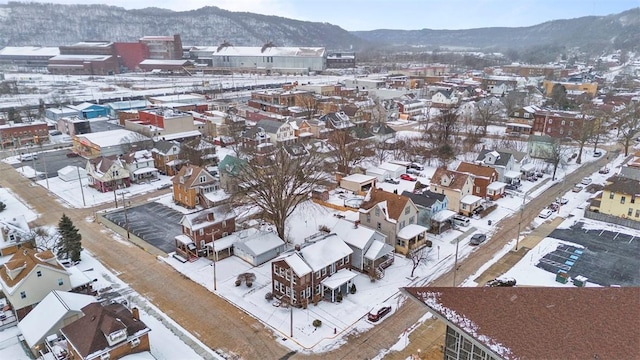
x,y
382,129
502,160
517,155
269,126
623,185
426,199
164,146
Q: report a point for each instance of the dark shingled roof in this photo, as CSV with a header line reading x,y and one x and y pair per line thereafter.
x,y
426,199
502,160
88,334
543,323
623,185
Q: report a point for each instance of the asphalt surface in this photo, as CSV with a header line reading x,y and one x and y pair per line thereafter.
x,y
154,223
55,160
609,258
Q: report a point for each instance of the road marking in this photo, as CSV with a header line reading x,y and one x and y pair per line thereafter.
x,y
633,237
616,236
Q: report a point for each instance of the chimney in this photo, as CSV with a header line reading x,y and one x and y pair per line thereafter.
x,y
297,247
356,223
135,313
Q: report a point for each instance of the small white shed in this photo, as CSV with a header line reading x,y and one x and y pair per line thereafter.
x,y
70,173
259,247
394,170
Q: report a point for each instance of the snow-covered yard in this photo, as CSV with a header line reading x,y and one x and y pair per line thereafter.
x,y
15,206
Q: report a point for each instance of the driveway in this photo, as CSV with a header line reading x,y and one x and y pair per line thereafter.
x,y
154,223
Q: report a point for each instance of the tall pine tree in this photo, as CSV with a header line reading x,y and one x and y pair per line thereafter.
x,y
69,245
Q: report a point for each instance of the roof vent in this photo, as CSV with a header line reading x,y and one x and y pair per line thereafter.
x,y
266,46
223,45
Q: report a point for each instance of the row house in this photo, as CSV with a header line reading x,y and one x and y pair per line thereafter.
x,y
395,216
20,134
269,132
165,157
560,124
521,120
336,120
108,173
485,180
199,229
190,186
313,271
456,186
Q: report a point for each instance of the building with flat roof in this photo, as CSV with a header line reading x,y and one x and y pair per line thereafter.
x,y
163,47
86,58
27,57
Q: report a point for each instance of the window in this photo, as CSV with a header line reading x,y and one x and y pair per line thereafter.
x,y
341,261
60,282
346,259
630,212
633,199
317,289
400,242
377,211
324,271
379,226
203,178
412,219
637,213
623,199
550,121
549,130
526,115
201,232
611,195
406,210
563,122
302,294
224,223
318,274
23,294
561,131
368,218
308,291
570,123
39,273
477,189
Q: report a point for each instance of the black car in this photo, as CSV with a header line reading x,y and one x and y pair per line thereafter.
x,y
500,282
477,239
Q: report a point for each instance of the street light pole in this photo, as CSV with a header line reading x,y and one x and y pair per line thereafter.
x,y
126,219
215,258
520,221
455,264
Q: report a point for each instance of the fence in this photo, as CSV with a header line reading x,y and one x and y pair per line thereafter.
x,y
612,219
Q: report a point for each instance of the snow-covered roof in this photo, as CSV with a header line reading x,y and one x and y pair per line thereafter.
x,y
377,250
181,135
80,57
260,242
77,278
470,199
512,174
324,252
342,276
260,51
184,239
443,215
146,170
356,236
496,185
111,137
40,321
411,230
29,51
391,167
152,62
359,178
296,263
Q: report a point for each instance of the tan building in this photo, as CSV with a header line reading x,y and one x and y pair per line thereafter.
x,y
455,185
589,88
620,197
191,184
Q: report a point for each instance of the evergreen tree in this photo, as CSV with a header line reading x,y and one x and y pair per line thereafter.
x,y
69,245
2,206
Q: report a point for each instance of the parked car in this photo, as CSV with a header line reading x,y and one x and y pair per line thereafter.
x,y
562,201
164,186
28,157
378,312
413,171
597,153
577,188
407,177
72,154
392,181
586,181
477,239
545,213
554,206
416,166
604,170
499,282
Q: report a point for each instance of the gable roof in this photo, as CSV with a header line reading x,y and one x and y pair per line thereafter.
x,y
324,252
23,262
542,322
425,199
356,236
259,242
88,334
394,203
269,126
207,217
229,165
103,164
623,185
188,175
502,160
459,179
479,171
57,305
164,146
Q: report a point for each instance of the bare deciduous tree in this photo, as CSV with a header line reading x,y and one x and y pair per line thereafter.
x,y
556,155
418,256
308,102
486,113
278,184
347,151
629,125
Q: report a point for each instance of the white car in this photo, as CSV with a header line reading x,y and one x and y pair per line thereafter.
x,y
545,213
586,181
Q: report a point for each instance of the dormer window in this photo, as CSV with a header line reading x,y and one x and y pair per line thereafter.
x,y
117,336
203,178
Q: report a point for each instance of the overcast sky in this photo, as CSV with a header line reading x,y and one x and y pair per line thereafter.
x,y
398,14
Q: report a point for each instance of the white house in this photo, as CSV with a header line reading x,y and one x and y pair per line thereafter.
x,y
370,249
13,233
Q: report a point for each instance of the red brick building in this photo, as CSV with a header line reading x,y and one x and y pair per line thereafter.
x,y
86,58
559,124
131,54
19,134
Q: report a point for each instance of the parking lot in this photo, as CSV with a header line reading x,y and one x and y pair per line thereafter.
x,y
55,160
609,258
155,223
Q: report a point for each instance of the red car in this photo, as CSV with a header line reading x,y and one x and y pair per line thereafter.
x,y
378,312
407,177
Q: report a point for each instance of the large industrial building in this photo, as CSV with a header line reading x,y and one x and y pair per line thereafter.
x,y
267,59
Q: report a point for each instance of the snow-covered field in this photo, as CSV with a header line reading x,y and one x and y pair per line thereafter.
x,y
15,206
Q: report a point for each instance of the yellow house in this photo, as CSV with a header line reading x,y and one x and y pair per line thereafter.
x,y
620,197
589,88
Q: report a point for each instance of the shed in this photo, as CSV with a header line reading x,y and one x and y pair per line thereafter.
x,y
379,173
70,173
258,247
394,170
358,182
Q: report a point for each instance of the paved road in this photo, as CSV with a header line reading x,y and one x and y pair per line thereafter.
x,y
219,324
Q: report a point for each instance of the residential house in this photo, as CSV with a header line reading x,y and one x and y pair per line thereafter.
x,y
336,120
319,128
383,133
432,210
41,327
198,152
106,332
503,162
455,185
371,254
203,227
107,173
560,124
410,108
14,234
191,184
521,120
620,197
165,157
390,214
30,275
313,271
257,247
228,169
140,165
279,132
444,99
483,176
546,314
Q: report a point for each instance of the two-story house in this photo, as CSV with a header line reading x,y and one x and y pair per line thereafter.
x,y
313,271
483,177
620,197
107,173
280,132
106,332
455,185
504,163
444,99
521,120
165,157
14,233
29,276
190,186
429,205
140,165
390,214
203,227
336,120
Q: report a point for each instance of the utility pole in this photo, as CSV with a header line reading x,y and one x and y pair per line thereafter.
x,y
215,258
291,300
520,221
81,190
126,219
455,264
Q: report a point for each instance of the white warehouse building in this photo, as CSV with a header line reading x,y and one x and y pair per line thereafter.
x,y
268,58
